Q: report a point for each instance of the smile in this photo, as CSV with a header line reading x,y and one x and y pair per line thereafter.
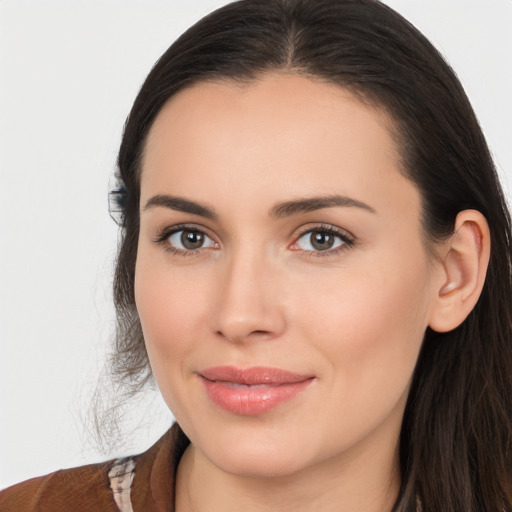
x,y
252,391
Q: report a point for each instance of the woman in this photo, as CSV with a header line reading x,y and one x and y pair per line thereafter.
x,y
308,206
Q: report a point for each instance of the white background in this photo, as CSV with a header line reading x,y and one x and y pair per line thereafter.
x,y
69,71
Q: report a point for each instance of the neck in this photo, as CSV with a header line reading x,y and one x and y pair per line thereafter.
x,y
366,479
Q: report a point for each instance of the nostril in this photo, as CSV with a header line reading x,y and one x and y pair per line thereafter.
x,y
245,335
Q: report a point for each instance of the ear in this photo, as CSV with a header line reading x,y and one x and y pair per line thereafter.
x,y
463,265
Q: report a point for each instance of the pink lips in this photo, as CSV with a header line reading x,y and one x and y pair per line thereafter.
x,y
252,391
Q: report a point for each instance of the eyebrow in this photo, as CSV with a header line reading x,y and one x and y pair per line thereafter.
x,y
181,204
279,211
311,204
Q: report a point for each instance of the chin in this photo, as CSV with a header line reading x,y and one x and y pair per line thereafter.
x,y
257,465
258,455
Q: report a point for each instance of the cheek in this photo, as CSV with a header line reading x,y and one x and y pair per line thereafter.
x,y
169,307
370,324
170,310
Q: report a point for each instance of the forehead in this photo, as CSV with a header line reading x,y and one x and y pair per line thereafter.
x,y
281,135
300,104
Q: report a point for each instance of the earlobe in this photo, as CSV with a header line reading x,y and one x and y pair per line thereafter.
x,y
464,261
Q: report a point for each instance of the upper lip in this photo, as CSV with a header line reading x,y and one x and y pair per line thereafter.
x,y
256,375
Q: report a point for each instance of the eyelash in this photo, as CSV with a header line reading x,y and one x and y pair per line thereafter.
x,y
164,235
347,239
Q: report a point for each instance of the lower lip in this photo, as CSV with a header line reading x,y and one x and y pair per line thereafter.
x,y
252,400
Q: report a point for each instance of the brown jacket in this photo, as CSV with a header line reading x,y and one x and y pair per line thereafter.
x,y
87,488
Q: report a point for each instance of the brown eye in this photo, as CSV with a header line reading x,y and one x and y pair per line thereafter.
x,y
190,240
321,240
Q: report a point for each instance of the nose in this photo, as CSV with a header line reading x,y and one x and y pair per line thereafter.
x,y
248,306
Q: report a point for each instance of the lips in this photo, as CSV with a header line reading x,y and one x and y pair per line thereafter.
x,y
252,391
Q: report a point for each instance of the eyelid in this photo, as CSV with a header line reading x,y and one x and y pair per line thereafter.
x,y
164,234
348,238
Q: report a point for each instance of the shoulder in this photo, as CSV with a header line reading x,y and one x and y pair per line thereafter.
x,y
147,480
64,490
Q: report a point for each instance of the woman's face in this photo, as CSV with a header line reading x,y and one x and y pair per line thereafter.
x,y
282,278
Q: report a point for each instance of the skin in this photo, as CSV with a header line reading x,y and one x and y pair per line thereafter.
x,y
256,294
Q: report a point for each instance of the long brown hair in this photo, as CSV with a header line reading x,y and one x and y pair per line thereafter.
x,y
455,443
